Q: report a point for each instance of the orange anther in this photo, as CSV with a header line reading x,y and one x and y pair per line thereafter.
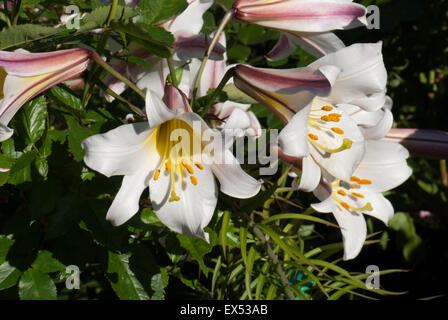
x,y
327,108
355,179
365,181
325,118
199,165
188,167
342,192
357,195
345,205
156,174
168,165
337,130
313,136
193,180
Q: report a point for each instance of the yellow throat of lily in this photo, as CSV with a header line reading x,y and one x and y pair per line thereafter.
x,y
323,121
348,194
179,147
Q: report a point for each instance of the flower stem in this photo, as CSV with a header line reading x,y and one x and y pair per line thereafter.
x,y
133,108
228,16
229,74
112,12
170,62
108,68
443,172
16,11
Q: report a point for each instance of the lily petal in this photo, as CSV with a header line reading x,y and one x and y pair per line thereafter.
x,y
156,110
285,91
196,205
311,174
232,178
190,21
292,139
126,202
120,151
354,231
382,208
316,44
362,81
384,164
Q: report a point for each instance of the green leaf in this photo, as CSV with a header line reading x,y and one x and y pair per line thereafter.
x,y
67,98
46,263
33,117
36,285
298,216
198,248
135,276
5,244
154,11
76,136
98,17
21,170
154,39
149,217
23,33
8,275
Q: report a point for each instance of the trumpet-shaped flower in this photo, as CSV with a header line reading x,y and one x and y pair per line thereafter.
x,y
383,168
230,115
172,155
317,128
23,75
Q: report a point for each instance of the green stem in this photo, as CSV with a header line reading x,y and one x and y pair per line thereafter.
x,y
16,12
443,172
108,68
172,71
113,11
133,108
229,74
228,16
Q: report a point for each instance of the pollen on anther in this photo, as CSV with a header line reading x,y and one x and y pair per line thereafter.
x,y
357,195
194,180
156,175
188,167
345,205
168,166
327,108
325,118
356,179
337,130
352,186
364,181
342,192
313,136
199,165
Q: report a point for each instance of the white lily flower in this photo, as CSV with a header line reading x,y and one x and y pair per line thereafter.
x,y
383,168
232,115
172,155
188,44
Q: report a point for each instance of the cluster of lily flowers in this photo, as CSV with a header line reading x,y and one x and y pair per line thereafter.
x,y
338,132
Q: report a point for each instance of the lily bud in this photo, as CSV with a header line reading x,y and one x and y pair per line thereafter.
x,y
422,142
23,75
301,15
